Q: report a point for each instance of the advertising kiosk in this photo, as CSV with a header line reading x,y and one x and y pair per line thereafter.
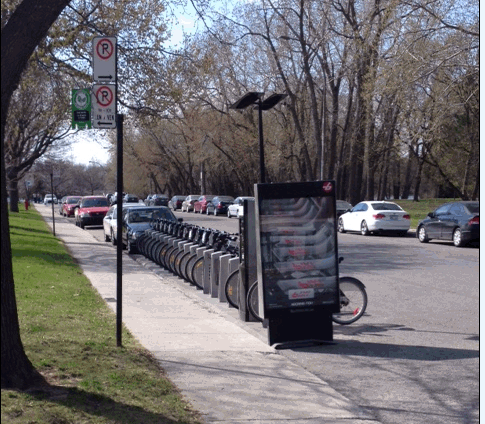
x,y
297,260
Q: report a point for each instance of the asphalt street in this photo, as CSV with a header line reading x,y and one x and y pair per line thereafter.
x,y
414,356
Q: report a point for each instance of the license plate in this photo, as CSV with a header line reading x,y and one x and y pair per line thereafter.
x,y
394,217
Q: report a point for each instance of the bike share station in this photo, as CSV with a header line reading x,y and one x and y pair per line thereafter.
x,y
289,245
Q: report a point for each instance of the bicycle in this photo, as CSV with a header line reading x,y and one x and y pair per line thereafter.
x,y
353,300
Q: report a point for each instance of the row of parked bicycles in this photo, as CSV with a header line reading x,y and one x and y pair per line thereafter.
x,y
171,245
166,244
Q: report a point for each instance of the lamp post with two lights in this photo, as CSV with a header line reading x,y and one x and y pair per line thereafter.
x,y
256,98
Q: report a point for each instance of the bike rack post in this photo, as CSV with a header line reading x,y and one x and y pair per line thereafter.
x,y
207,270
224,272
247,268
214,274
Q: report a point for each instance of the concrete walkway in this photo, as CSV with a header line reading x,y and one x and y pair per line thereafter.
x,y
227,373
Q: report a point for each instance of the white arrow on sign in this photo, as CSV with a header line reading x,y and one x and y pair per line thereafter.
x,y
104,59
104,106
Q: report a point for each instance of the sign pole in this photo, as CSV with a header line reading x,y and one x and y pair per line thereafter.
x,y
53,217
119,210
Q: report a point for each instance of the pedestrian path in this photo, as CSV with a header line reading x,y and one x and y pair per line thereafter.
x,y
227,373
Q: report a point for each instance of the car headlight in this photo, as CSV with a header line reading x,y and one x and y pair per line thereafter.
x,y
85,214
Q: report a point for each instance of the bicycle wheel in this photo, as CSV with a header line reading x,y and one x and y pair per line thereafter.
x,y
177,261
353,301
188,268
171,259
197,272
168,258
182,265
231,288
253,302
162,255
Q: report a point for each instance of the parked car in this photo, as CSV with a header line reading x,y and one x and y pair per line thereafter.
x,y
218,205
375,216
50,198
130,198
60,203
159,200
137,220
91,210
201,204
114,198
342,207
188,203
458,222
176,202
110,221
69,205
236,209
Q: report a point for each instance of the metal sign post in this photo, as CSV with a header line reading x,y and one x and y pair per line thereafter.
x,y
105,116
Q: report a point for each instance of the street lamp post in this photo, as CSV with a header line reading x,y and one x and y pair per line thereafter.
x,y
256,98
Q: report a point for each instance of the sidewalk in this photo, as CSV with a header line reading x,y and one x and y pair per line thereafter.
x,y
227,373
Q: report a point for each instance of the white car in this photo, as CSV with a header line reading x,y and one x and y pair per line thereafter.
x,y
237,208
110,221
50,198
375,216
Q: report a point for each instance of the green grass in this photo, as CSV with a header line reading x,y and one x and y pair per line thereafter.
x,y
68,333
419,210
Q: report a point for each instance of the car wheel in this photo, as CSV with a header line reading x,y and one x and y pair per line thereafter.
x,y
422,235
340,226
457,238
228,214
106,237
130,247
364,230
81,225
113,240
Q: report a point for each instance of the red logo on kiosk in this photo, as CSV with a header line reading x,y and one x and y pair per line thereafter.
x,y
327,187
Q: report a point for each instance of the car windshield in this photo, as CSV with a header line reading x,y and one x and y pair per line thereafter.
x,y
147,215
473,207
73,200
342,204
91,203
386,207
226,199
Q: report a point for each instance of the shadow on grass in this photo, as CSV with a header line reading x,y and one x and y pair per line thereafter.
x,y
100,405
44,256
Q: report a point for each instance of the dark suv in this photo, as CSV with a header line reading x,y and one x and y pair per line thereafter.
x,y
159,200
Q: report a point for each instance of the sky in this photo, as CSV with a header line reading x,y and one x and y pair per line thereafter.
x,y
86,148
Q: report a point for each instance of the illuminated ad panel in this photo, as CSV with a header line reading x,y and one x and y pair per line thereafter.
x,y
297,243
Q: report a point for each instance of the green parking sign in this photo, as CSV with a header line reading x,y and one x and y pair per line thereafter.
x,y
81,108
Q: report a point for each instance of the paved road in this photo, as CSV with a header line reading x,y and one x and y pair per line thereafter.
x,y
414,356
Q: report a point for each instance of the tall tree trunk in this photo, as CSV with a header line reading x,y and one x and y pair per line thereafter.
x,y
407,177
396,179
17,46
418,181
13,192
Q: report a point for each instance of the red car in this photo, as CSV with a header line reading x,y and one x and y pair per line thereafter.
x,y
201,204
68,206
91,210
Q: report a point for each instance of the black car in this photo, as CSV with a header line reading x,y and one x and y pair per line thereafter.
x,y
342,207
458,222
130,198
219,204
136,220
176,202
159,200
